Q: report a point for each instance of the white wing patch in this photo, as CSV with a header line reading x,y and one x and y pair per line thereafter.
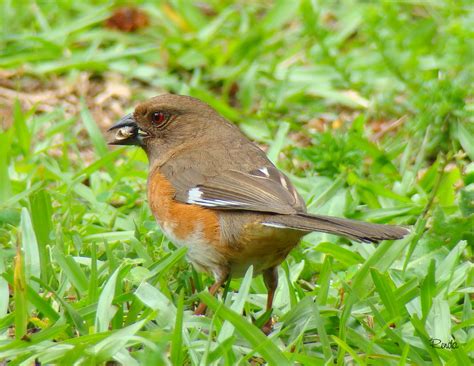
x,y
195,197
273,224
215,203
194,194
265,172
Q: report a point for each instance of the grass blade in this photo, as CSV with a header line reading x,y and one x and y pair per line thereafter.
x,y
343,255
105,309
227,329
19,288
41,214
93,131
324,280
110,346
72,270
385,288
30,247
348,349
4,291
177,340
5,184
325,344
428,288
250,332
278,142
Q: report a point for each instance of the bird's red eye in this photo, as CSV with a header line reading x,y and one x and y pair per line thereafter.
x,y
158,118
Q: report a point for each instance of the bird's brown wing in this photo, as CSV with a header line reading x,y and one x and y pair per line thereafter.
x,y
262,190
267,190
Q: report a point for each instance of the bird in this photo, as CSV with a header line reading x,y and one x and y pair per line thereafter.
x,y
215,192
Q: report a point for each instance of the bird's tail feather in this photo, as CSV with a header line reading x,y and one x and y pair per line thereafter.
x,y
352,229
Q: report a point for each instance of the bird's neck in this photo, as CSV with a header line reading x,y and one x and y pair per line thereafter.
x,y
159,156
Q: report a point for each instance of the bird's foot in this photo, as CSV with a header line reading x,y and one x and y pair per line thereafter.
x,y
201,309
267,328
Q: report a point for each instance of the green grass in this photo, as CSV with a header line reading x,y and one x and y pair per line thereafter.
x,y
366,105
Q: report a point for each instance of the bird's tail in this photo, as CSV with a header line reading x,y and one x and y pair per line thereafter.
x,y
352,229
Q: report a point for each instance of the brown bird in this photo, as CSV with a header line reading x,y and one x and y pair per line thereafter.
x,y
215,192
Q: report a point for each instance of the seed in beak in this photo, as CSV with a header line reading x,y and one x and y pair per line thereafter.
x,y
142,133
124,133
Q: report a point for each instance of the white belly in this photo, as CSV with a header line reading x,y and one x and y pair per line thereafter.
x,y
201,254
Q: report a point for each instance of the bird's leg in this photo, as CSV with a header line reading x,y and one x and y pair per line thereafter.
x,y
270,277
201,309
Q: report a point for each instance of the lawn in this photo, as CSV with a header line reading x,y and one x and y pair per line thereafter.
x,y
367,106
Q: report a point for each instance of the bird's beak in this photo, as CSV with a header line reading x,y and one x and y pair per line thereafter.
x,y
127,132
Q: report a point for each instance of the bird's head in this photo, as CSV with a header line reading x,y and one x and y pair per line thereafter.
x,y
166,121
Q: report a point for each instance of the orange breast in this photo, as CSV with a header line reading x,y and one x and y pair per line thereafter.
x,y
184,219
